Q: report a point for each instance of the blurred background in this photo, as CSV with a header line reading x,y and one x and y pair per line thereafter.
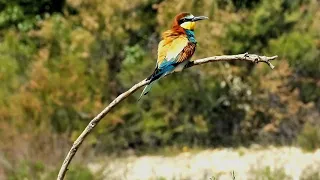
x,y
63,61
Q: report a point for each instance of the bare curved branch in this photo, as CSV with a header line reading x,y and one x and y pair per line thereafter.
x,y
242,57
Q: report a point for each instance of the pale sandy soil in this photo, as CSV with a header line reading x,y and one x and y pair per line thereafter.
x,y
247,164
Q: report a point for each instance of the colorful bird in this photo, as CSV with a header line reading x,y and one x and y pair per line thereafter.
x,y
175,49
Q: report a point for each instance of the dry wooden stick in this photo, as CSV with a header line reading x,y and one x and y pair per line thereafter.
x,y
242,57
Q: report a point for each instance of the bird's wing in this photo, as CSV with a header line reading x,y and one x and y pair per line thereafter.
x,y
186,53
170,48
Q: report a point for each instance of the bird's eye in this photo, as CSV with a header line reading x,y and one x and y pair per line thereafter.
x,y
182,20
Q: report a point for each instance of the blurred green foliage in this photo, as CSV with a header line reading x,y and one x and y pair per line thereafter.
x,y
267,173
310,175
309,138
24,14
37,170
62,62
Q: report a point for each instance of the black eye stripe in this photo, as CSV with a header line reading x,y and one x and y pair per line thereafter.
x,y
182,20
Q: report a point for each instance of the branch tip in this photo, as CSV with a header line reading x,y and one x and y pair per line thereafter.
x,y
270,65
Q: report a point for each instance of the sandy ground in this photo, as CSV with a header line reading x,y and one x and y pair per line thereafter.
x,y
252,164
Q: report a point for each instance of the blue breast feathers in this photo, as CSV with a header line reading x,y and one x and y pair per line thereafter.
x,y
191,36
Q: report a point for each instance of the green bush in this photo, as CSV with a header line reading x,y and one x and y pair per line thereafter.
x,y
309,138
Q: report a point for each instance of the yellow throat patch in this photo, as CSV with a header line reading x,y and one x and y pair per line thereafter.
x,y
188,25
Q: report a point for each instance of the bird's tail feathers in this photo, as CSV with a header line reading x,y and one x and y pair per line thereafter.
x,y
154,77
147,89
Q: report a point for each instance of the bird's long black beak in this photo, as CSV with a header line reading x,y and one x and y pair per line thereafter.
x,y
198,18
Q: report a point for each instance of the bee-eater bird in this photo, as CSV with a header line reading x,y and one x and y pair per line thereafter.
x,y
175,49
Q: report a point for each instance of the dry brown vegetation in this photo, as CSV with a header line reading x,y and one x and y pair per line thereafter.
x,y
61,63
